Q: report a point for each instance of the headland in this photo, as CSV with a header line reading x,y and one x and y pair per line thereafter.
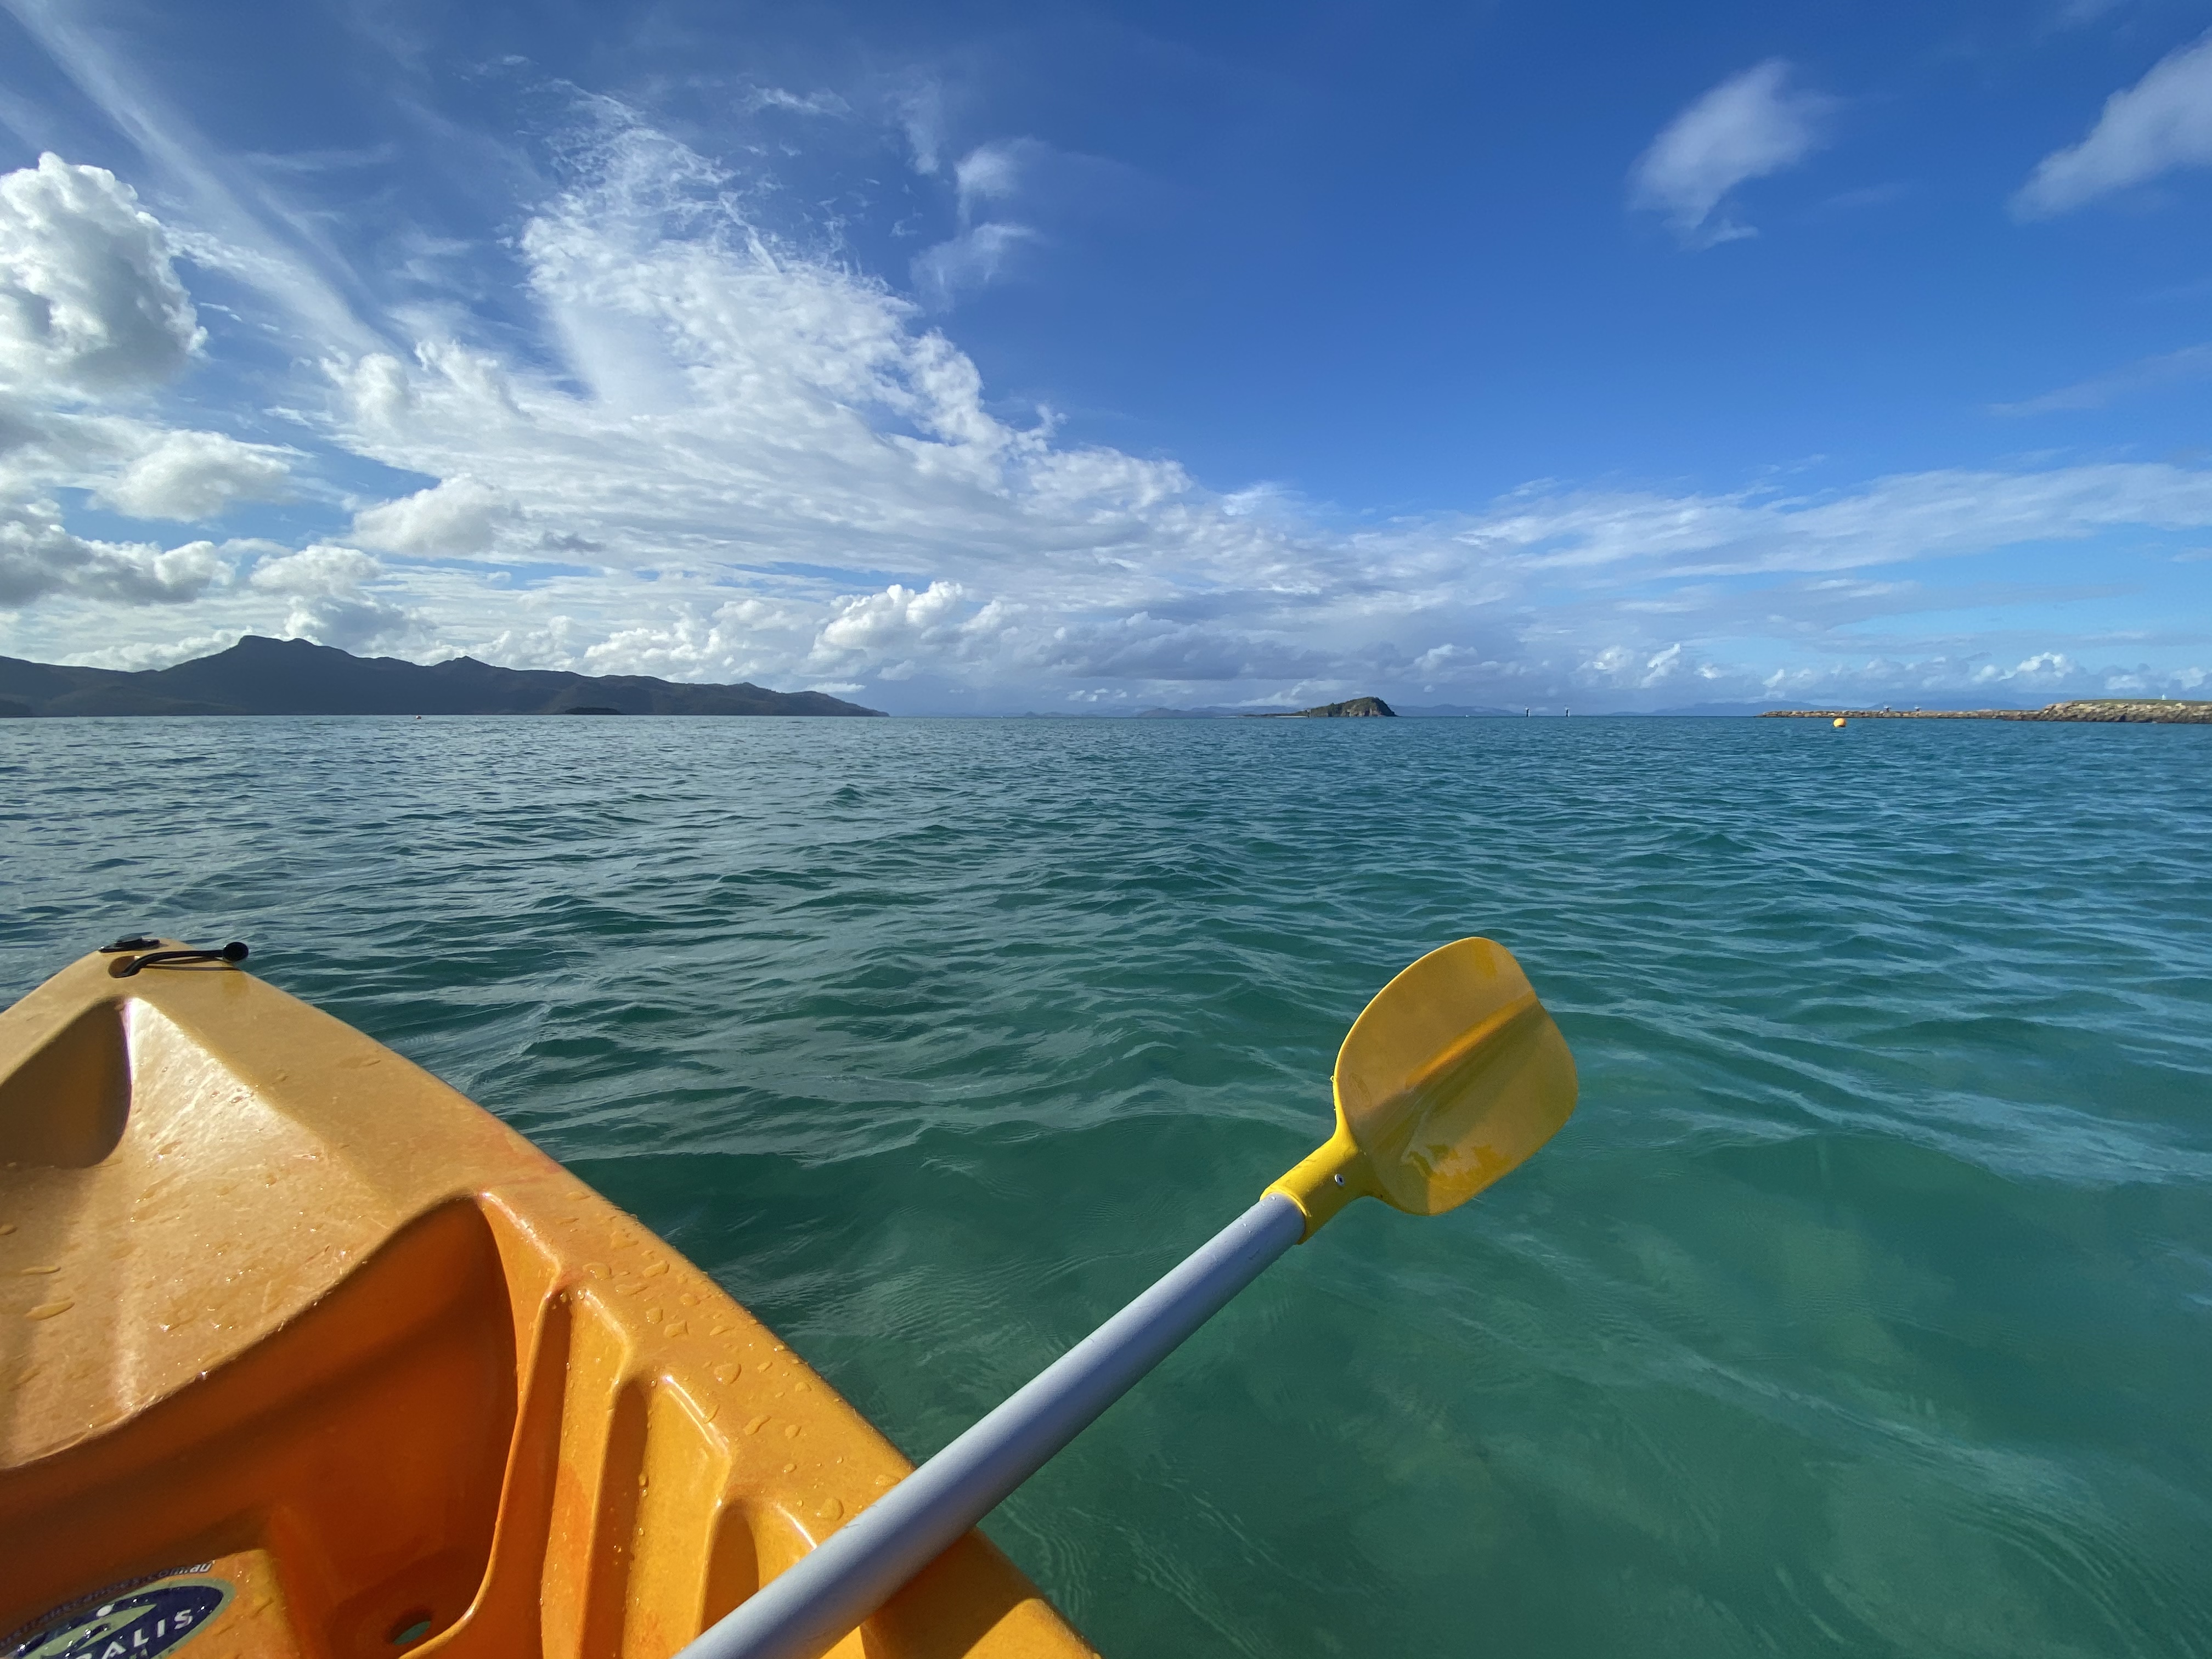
x,y
260,676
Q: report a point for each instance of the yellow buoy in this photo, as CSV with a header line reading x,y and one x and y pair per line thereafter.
x,y
1839,722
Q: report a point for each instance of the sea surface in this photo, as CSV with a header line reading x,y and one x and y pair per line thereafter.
x,y
1864,1306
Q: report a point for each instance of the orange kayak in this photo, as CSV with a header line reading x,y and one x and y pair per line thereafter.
x,y
303,1353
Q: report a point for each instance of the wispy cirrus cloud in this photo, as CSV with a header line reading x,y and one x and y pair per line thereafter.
x,y
796,103
709,452
2099,391
2161,123
1752,125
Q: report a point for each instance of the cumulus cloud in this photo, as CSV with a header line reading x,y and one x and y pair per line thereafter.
x,y
1750,126
458,516
89,300
898,616
2163,122
329,605
318,571
91,310
39,558
196,475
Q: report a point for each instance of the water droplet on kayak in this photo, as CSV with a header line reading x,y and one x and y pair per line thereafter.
x,y
830,1510
48,1309
727,1371
755,1425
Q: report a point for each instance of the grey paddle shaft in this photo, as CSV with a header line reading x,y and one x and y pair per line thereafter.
x,y
802,1612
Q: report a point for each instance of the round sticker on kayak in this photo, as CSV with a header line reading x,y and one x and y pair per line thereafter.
x,y
149,1617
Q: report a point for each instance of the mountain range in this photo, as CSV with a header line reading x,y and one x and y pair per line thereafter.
x,y
260,676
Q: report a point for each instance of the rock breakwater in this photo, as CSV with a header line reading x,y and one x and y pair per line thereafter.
x,y
2104,710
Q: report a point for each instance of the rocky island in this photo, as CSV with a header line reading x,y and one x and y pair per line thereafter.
x,y
1356,709
2104,710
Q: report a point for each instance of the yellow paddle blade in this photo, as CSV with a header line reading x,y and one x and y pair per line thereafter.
x,y
1452,1076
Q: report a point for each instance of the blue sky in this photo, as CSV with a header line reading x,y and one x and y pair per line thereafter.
x,y
1085,358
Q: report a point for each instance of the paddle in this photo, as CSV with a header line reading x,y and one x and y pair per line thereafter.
x,y
1452,1076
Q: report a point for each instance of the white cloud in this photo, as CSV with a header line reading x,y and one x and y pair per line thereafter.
x,y
993,172
249,229
2145,374
318,571
898,618
2163,122
982,249
1905,518
796,103
921,113
973,258
324,584
1751,126
752,463
39,558
89,300
197,475
456,516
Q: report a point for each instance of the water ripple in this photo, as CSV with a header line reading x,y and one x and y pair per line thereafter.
x,y
1862,1308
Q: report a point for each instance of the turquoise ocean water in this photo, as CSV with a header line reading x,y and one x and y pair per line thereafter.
x,y
1865,1307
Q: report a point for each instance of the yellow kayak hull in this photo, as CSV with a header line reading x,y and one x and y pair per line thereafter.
x,y
282,1313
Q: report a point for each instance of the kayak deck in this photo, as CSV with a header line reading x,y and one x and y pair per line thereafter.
x,y
278,1306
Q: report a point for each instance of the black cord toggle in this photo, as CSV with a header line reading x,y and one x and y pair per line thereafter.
x,y
124,967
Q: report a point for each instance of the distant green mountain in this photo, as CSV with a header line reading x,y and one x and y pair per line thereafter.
x,y
259,676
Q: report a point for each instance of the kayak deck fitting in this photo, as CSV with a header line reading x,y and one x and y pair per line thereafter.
x,y
282,1314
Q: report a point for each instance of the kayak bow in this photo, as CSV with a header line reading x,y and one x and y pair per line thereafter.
x,y
300,1345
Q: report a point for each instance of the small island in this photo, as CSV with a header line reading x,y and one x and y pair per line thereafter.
x,y
1356,709
2109,711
